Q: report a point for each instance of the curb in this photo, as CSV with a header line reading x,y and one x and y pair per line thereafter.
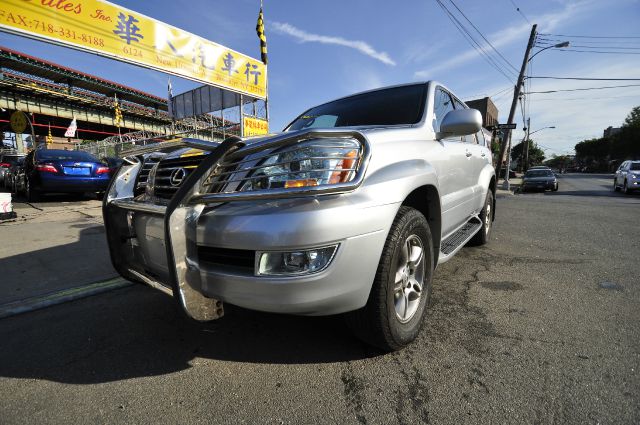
x,y
36,303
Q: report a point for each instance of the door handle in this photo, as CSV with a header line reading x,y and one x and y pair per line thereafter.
x,y
483,154
468,154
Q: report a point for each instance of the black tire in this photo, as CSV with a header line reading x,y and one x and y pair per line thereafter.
x,y
31,194
377,323
484,234
555,188
100,196
625,188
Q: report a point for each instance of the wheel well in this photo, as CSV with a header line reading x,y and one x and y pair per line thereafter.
x,y
427,200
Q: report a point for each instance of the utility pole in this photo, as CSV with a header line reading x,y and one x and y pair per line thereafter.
x,y
525,164
506,141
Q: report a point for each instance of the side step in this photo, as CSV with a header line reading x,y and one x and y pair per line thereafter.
x,y
459,238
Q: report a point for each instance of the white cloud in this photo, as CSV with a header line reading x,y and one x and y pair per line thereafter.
x,y
305,37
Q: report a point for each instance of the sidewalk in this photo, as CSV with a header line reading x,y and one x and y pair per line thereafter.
x,y
514,186
51,248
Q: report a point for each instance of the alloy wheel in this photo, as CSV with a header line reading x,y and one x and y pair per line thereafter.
x,y
410,273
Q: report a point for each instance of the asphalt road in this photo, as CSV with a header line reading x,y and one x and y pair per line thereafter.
x,y
539,326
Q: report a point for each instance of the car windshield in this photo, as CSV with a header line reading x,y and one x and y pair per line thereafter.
x,y
635,166
392,106
54,155
539,173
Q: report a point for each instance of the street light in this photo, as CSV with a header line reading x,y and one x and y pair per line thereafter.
x,y
525,150
557,46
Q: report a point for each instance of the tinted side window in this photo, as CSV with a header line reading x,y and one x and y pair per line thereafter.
x,y
441,105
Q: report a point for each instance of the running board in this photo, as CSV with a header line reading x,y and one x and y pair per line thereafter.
x,y
459,238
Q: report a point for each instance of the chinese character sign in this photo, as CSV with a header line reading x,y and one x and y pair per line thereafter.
x,y
113,31
255,126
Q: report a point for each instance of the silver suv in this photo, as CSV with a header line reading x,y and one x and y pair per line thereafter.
x,y
627,177
349,210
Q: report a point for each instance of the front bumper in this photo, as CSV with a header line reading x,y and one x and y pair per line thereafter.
x,y
160,246
539,185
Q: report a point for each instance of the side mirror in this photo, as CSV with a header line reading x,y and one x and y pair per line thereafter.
x,y
460,122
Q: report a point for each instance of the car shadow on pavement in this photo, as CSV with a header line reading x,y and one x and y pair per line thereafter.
x,y
136,332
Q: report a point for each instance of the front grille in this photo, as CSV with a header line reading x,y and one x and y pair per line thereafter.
x,y
223,257
143,175
163,185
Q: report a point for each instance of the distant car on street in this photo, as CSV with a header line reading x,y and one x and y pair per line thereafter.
x,y
627,177
113,162
60,171
539,179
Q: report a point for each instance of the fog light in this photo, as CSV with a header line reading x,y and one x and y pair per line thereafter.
x,y
294,262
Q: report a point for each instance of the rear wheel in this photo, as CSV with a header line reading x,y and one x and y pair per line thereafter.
x,y
486,216
31,194
401,289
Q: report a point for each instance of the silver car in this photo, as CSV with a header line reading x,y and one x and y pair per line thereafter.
x,y
349,210
627,177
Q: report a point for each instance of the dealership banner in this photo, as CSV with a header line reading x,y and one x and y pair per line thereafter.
x,y
110,30
255,126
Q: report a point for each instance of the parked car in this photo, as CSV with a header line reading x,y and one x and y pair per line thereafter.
x,y
539,179
6,161
113,162
349,210
627,177
12,172
61,171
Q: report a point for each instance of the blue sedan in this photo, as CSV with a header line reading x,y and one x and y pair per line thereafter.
x,y
51,170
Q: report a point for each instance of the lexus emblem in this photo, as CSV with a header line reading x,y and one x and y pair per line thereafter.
x,y
177,176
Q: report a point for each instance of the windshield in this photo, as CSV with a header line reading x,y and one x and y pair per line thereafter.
x,y
539,173
392,106
635,166
56,155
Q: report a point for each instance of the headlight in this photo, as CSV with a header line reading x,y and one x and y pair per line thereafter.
x,y
315,162
635,176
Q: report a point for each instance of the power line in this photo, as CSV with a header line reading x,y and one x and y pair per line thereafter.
x,y
555,99
584,89
483,37
520,11
597,51
556,40
589,79
472,41
584,46
588,36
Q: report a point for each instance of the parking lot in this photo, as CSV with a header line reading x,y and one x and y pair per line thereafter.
x,y
540,326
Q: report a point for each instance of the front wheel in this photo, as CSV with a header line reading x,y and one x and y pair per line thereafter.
x,y
615,186
555,188
401,289
625,188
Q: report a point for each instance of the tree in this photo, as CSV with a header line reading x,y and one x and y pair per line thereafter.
x,y
633,119
536,155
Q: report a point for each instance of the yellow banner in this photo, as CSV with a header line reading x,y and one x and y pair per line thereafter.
x,y
110,30
255,126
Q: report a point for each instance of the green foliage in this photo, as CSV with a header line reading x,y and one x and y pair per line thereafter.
x,y
633,119
600,153
536,155
561,161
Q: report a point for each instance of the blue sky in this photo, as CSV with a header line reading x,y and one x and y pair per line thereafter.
x,y
319,51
